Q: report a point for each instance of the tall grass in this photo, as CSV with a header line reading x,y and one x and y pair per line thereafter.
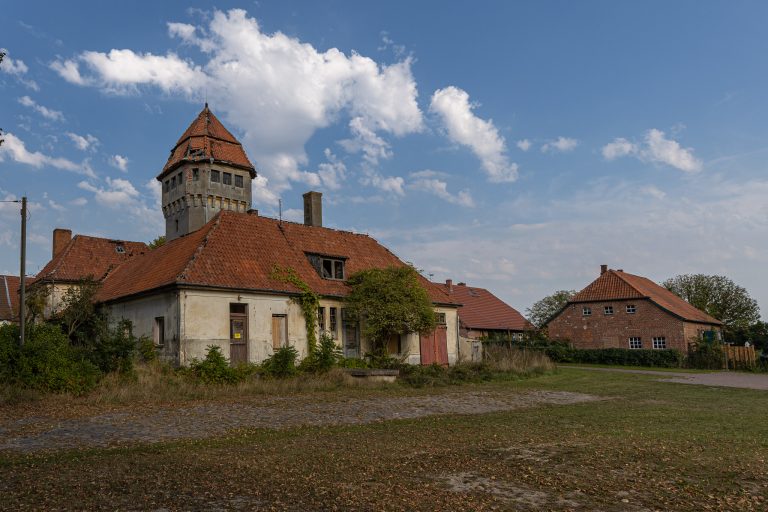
x,y
520,361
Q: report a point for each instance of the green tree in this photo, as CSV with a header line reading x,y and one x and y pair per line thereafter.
x,y
157,242
544,309
719,297
78,306
391,301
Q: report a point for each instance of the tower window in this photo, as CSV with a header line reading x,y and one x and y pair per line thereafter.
x,y
177,225
238,181
215,177
181,180
227,178
195,174
173,182
166,185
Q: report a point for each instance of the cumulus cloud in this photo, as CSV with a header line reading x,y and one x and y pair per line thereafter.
x,y
15,149
79,201
85,142
17,69
119,162
53,115
120,194
275,89
455,111
426,181
524,144
560,145
391,184
655,148
333,172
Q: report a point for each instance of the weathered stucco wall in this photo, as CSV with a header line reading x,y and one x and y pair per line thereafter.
x,y
142,312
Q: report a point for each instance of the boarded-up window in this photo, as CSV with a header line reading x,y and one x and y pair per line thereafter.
x,y
279,331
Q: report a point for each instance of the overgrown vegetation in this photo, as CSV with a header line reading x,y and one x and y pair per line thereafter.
x,y
390,302
308,301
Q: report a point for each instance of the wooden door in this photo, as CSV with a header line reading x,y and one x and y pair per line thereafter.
x,y
238,339
434,346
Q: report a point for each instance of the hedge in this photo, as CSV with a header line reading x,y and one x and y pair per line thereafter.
x,y
617,356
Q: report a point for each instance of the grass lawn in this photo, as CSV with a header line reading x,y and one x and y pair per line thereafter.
x,y
647,446
621,367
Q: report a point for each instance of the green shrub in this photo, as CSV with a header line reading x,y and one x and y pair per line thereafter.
x,y
561,353
351,362
282,363
381,359
437,375
46,362
146,349
325,356
706,356
215,369
112,349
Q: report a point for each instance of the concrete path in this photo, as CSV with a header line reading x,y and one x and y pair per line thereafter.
x,y
721,379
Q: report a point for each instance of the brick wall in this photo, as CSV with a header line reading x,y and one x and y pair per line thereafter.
x,y
613,331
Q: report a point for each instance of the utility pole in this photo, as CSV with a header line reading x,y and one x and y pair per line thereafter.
x,y
22,274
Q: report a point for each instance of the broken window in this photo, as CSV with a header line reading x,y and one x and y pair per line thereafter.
x,y
238,181
227,178
215,176
332,321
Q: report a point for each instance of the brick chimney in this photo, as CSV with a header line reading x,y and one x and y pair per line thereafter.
x,y
603,269
313,209
449,284
61,238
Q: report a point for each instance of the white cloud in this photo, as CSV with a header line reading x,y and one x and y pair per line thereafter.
x,y
524,144
79,201
119,162
84,143
332,172
15,149
452,105
653,192
656,148
294,215
17,69
560,145
618,148
288,86
424,181
53,115
120,195
366,141
391,184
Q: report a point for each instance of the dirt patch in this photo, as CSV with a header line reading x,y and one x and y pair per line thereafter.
x,y
210,419
511,494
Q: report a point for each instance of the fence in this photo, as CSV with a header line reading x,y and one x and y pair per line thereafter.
x,y
738,357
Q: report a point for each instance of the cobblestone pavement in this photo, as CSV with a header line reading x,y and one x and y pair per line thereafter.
x,y
721,379
199,421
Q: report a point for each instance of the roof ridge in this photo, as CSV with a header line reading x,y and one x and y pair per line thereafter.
x,y
62,255
203,243
617,274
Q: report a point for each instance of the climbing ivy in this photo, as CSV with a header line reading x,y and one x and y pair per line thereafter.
x,y
309,301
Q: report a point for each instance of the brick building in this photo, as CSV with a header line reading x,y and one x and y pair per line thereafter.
x,y
621,310
9,299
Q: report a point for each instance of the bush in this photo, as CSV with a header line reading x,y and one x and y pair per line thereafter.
x,y
561,353
323,358
381,359
706,356
282,363
112,349
215,369
351,362
46,362
146,349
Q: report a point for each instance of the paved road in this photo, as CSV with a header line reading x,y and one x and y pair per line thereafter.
x,y
722,379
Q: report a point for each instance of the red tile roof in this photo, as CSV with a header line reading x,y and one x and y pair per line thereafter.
x,y
207,139
240,250
9,298
617,284
87,256
480,309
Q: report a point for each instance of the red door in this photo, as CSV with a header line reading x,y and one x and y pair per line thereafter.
x,y
434,347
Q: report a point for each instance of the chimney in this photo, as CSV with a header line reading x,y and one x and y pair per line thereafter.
x,y
449,284
61,238
603,269
313,209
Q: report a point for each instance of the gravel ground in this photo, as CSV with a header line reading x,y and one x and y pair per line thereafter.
x,y
722,379
35,434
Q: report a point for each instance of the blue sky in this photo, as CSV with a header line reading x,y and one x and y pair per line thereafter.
x,y
512,145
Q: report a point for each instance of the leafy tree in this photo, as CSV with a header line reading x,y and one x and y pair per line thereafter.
x,y
157,242
544,309
719,297
392,301
78,306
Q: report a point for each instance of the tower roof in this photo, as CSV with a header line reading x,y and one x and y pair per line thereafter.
x,y
207,139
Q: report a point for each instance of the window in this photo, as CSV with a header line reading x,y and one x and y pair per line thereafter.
x,y
195,174
119,249
608,310
440,318
173,182
660,342
321,319
631,309
166,185
180,178
635,342
586,311
333,321
177,225
279,331
227,178
215,176
331,268
238,181
158,331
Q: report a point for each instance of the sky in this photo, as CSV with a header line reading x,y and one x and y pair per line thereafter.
x,y
514,146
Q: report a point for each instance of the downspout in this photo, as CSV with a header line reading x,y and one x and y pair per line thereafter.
x,y
178,320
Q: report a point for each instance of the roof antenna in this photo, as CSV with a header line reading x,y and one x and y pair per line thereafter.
x,y
280,210
206,96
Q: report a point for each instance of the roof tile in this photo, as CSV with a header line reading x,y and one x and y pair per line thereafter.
x,y
87,256
480,309
9,298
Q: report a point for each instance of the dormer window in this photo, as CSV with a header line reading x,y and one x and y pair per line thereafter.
x,y
328,267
